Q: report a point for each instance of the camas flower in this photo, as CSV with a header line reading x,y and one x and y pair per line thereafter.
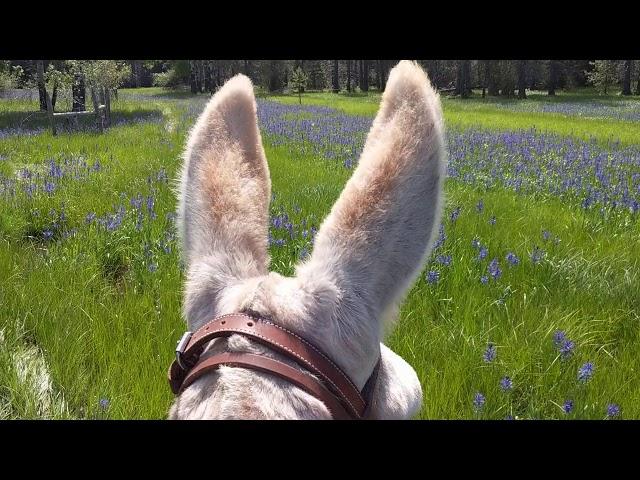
x,y
490,353
585,372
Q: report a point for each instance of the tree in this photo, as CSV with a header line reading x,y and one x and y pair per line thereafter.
x,y
364,75
42,88
298,81
603,75
102,77
493,88
626,82
335,79
553,77
193,74
382,73
463,79
78,92
522,79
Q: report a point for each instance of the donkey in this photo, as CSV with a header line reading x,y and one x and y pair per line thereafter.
x,y
345,296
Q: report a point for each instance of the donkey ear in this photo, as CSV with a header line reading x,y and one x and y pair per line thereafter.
x,y
225,187
378,234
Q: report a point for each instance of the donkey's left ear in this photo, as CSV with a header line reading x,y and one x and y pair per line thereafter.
x,y
225,187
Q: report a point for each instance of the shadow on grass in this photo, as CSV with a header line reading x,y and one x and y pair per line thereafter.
x,y
539,96
30,123
159,94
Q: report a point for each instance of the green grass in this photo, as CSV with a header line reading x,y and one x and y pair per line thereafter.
x,y
103,324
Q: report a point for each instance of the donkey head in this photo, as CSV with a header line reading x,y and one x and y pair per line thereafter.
x,y
366,254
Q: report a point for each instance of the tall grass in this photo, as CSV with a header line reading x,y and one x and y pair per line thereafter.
x,y
91,278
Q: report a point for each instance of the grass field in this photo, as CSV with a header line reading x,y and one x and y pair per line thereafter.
x,y
528,308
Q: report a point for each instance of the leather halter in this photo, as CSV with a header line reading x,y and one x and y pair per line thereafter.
x,y
328,383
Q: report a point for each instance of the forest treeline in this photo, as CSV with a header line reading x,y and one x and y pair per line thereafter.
x,y
510,78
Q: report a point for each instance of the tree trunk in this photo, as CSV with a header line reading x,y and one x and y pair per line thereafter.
x,y
462,79
54,96
638,85
364,83
522,79
107,104
192,76
42,89
348,75
553,77
245,68
493,89
78,92
208,84
467,78
199,76
94,98
335,80
42,86
626,82
136,72
384,74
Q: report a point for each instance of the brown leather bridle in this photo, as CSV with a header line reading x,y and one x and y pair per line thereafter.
x,y
328,383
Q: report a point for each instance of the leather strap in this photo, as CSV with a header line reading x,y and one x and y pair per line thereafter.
x,y
269,365
279,339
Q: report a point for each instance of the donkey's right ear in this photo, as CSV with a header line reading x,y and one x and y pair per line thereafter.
x,y
225,189
378,234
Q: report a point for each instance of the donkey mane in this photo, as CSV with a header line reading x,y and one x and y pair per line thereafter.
x,y
367,252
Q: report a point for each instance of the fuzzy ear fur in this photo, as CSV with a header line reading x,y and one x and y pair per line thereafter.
x,y
224,197
379,232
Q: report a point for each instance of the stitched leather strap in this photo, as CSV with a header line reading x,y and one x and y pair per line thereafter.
x,y
279,339
269,365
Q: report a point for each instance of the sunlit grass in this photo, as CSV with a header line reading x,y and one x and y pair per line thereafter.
x,y
102,308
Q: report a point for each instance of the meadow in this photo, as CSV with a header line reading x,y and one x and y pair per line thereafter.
x,y
527,308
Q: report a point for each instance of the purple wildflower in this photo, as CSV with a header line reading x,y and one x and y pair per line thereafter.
x,y
455,214
512,258
478,401
444,260
613,410
494,269
559,337
433,276
566,349
490,353
506,384
537,255
568,406
49,187
585,372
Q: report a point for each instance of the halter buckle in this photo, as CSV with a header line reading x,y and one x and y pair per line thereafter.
x,y
182,345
